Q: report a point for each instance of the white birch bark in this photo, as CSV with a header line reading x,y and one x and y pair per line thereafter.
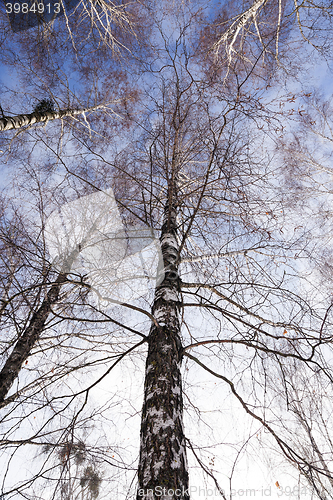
x,y
162,470
230,36
19,121
32,332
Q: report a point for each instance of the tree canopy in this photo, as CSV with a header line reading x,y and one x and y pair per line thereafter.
x,y
166,304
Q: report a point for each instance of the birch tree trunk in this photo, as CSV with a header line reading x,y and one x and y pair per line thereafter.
x,y
19,121
33,332
162,470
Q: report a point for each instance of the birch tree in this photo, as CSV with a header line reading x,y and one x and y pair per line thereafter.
x,y
268,23
33,59
52,80
19,121
197,166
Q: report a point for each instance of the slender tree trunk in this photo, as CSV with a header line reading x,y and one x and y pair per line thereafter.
x,y
6,288
162,470
19,121
33,332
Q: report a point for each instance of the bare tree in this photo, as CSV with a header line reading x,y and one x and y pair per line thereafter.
x,y
40,115
197,166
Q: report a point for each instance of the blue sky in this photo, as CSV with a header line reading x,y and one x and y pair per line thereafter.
x,y
262,467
